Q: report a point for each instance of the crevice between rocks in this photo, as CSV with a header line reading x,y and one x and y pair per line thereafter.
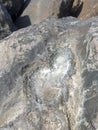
x,y
68,120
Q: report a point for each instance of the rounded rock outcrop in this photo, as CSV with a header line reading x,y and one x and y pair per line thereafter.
x,y
49,76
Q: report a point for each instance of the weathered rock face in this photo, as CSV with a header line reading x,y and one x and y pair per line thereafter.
x,y
6,24
90,8
13,6
49,76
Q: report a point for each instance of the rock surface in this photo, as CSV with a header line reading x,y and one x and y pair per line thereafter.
x,y
6,24
38,10
49,76
90,9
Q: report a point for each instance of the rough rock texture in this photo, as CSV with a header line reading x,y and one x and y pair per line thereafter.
x,y
6,24
38,10
49,76
90,8
13,6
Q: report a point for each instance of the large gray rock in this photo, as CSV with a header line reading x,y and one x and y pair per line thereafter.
x,y
6,24
49,76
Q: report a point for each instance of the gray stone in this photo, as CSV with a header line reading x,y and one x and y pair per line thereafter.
x,y
49,76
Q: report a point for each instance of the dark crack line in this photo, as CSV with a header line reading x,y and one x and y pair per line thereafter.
x,y
69,125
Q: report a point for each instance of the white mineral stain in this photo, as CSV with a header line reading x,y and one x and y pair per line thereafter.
x,y
47,81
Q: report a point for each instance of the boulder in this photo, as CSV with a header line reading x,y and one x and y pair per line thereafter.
x,y
49,76
6,24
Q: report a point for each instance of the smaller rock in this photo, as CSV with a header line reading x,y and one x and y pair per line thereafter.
x,y
38,10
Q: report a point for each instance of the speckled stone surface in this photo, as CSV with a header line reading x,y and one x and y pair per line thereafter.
x,y
49,76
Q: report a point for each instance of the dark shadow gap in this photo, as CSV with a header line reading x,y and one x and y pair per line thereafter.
x,y
67,9
23,22
75,12
25,4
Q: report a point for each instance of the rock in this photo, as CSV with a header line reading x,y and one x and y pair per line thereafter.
x,y
49,76
13,7
90,9
38,10
6,24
